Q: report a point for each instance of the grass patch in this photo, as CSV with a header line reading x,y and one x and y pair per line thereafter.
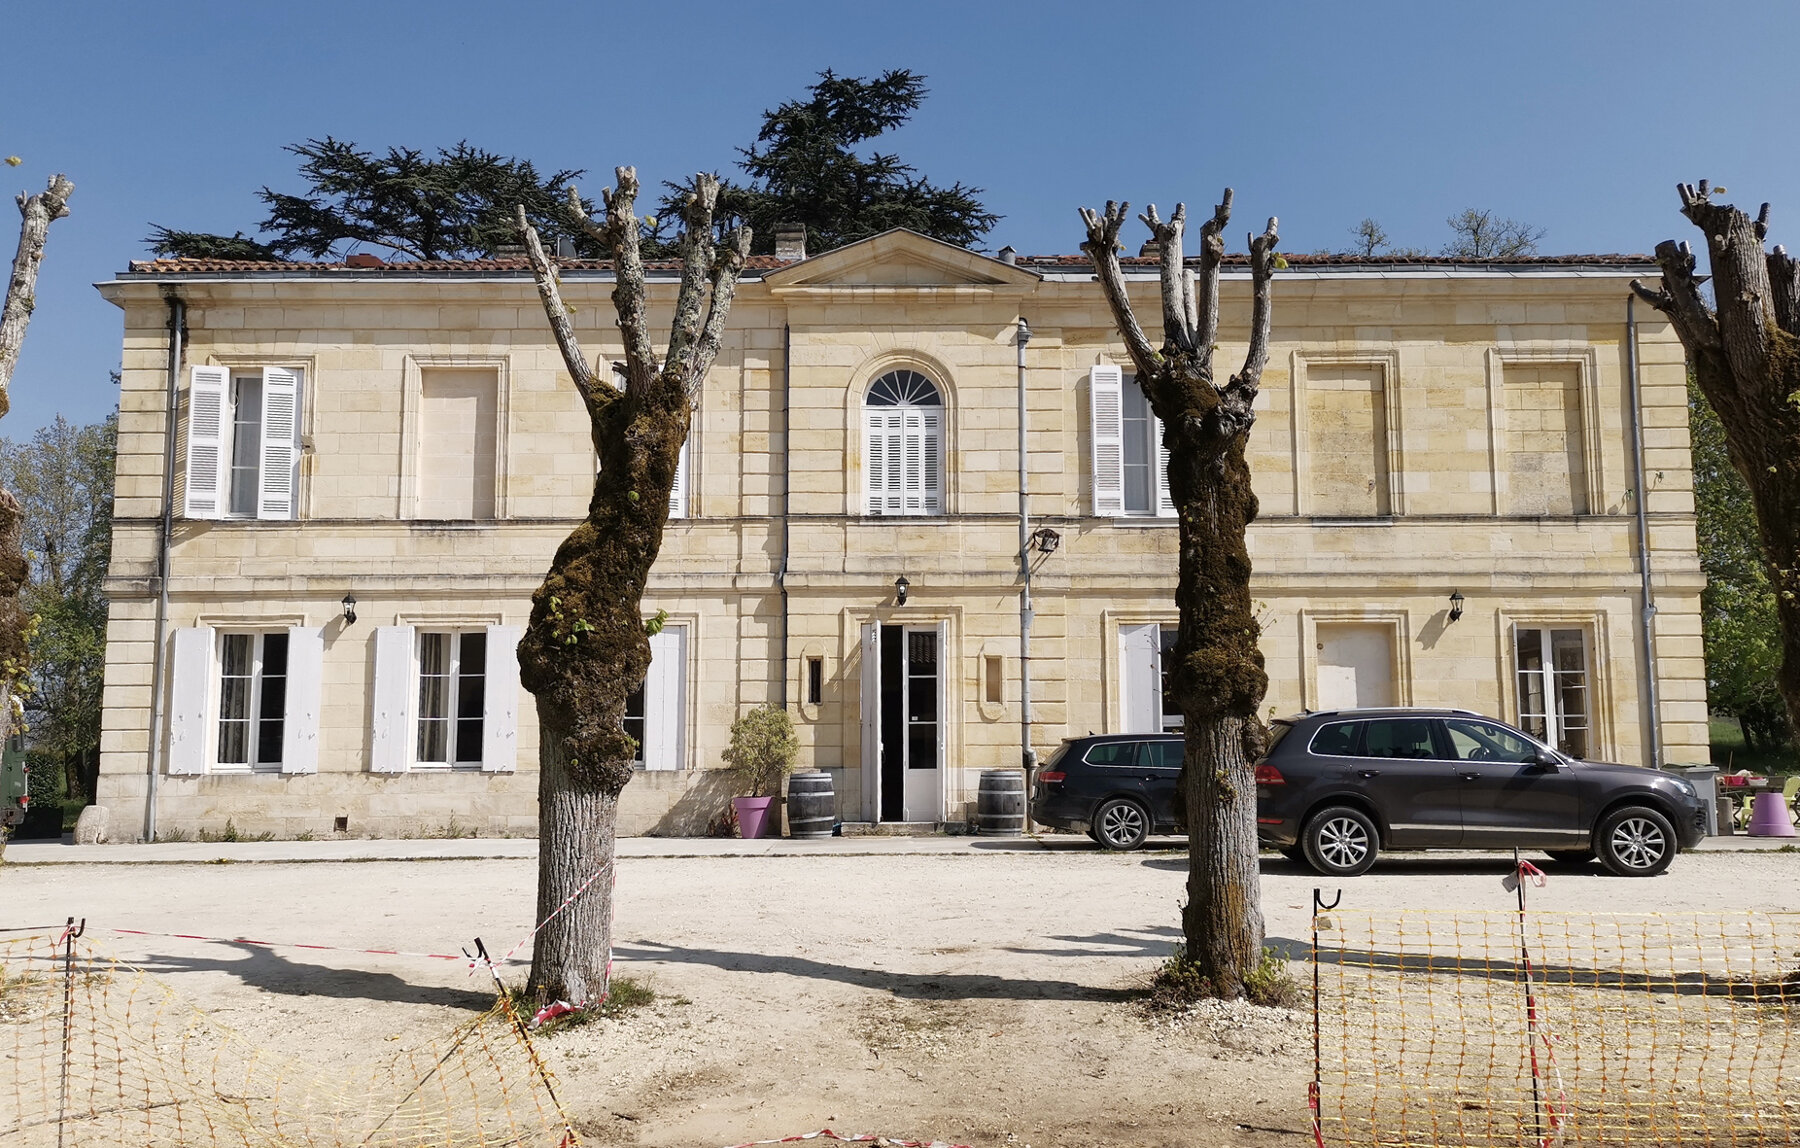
x,y
1180,983
625,995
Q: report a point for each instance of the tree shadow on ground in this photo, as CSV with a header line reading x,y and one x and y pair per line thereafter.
x,y
1145,941
266,970
917,986
1406,865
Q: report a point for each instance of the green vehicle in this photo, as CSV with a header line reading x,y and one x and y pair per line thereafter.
x,y
15,793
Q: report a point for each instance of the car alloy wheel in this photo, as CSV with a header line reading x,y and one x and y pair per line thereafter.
x,y
1636,841
1121,824
1340,842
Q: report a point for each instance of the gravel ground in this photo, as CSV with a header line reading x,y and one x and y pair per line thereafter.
x,y
974,996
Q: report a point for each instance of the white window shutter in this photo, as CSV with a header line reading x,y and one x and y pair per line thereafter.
x,y
884,464
280,423
1165,502
204,482
931,476
1140,692
1108,448
911,482
305,683
390,741
665,695
678,494
500,717
190,685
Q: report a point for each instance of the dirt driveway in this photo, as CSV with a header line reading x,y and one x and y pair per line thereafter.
x,y
975,996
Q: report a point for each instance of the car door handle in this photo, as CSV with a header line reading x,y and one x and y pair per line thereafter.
x,y
1470,776
1365,774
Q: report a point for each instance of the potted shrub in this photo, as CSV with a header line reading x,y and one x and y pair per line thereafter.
x,y
761,754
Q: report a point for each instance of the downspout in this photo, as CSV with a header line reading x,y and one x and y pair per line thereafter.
x,y
787,475
177,330
1646,619
1027,756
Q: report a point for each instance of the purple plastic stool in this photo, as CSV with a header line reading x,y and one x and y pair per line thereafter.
x,y
1769,817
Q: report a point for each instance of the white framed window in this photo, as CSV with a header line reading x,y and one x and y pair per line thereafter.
x,y
656,712
243,443
446,697
1145,654
252,700
245,701
452,673
1551,666
903,461
1130,462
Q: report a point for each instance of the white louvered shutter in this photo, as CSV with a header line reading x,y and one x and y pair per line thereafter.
x,y
305,682
204,480
883,464
280,422
931,470
500,713
390,739
678,494
190,683
913,462
665,696
871,720
1165,503
1108,447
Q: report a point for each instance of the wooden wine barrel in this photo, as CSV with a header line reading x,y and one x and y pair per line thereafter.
x,y
1000,803
811,805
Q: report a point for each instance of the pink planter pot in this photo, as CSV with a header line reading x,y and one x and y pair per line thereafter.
x,y
754,815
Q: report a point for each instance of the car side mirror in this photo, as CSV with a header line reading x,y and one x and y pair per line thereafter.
x,y
1548,761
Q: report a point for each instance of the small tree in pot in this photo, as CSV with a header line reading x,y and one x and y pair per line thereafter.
x,y
760,756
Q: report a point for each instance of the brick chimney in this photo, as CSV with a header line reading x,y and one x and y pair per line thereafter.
x,y
1150,250
790,241
363,259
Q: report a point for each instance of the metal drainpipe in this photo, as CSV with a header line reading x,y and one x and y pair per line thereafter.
x,y
1027,755
177,330
1647,618
781,572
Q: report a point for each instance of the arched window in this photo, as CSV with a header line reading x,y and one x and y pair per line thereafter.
x,y
903,421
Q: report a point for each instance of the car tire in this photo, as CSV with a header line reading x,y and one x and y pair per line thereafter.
x,y
1570,857
1635,841
1121,824
1340,842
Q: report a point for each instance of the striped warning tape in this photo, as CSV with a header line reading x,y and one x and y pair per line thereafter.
x,y
859,1138
300,945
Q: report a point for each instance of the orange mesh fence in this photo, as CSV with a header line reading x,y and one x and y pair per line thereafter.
x,y
1545,1029
95,1051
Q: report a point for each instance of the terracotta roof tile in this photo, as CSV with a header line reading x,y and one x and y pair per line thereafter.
x,y
413,267
1299,260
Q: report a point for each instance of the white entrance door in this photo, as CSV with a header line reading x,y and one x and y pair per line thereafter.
x,y
1355,666
903,726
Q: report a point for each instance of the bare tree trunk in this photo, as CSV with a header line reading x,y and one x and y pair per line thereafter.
x,y
586,648
39,212
1746,358
1218,677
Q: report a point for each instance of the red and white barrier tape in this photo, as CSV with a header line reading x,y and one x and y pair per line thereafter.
x,y
299,945
567,901
858,1138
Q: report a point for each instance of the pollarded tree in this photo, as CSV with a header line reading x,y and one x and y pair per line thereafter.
x,y
1218,678
39,212
1745,353
587,647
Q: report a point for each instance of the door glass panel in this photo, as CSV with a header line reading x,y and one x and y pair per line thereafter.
x,y
1172,719
434,697
471,696
272,706
1534,711
1398,738
1479,741
1165,754
634,723
1335,740
235,668
921,700
1568,651
1121,753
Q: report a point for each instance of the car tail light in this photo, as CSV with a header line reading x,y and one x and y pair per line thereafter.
x,y
1052,776
1267,774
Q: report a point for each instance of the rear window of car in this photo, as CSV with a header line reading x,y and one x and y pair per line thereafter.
x,y
1335,740
1112,753
1277,731
1164,754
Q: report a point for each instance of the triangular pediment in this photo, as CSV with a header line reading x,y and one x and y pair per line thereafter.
x,y
901,259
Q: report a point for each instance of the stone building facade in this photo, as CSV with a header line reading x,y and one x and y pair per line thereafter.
x,y
847,539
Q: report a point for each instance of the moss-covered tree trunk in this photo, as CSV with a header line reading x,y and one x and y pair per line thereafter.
x,y
37,213
1218,678
586,647
1745,353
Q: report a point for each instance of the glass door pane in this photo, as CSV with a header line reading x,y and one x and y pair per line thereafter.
x,y
921,700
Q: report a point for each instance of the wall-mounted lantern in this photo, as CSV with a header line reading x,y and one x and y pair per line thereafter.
x,y
1045,540
349,605
1456,601
901,586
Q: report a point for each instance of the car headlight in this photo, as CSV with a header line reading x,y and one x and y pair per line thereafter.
x,y
1686,786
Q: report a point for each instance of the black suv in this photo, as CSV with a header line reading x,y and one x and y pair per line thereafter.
x,y
1117,788
1335,788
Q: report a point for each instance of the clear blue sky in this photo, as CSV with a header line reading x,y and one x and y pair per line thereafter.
x,y
1578,117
